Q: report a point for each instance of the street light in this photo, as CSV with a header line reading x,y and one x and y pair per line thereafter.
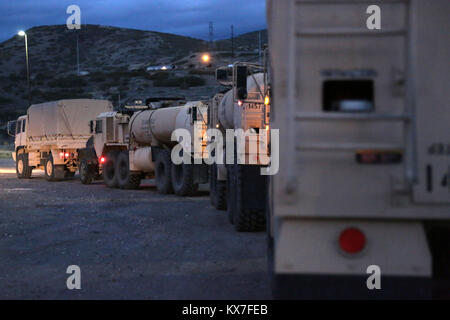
x,y
206,58
23,34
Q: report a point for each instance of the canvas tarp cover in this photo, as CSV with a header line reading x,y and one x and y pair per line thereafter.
x,y
64,118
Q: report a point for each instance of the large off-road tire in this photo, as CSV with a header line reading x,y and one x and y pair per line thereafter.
x,y
212,184
163,172
221,195
87,172
23,170
109,170
217,190
125,178
246,220
183,180
53,172
231,194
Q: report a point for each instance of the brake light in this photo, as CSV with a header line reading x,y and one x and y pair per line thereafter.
x,y
240,103
61,155
102,159
352,240
66,155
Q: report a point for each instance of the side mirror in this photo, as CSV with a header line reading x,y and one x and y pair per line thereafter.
x,y
241,82
221,75
91,126
194,114
11,128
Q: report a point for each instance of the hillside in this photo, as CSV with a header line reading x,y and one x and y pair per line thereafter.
x,y
115,60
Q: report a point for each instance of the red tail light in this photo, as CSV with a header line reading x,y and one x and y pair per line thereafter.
x,y
102,159
352,240
61,155
66,155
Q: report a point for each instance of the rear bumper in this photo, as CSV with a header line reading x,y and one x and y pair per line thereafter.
x,y
295,286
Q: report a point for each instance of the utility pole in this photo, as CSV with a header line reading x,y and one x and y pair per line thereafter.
x,y
259,47
23,34
211,35
78,56
232,41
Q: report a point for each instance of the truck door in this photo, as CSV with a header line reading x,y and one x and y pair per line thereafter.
x,y
20,137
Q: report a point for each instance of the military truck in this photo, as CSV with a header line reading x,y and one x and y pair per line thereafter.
x,y
127,147
363,196
50,134
239,186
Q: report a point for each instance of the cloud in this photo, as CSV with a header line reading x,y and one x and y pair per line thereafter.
x,y
188,17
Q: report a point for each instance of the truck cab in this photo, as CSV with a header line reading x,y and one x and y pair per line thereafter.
x,y
17,129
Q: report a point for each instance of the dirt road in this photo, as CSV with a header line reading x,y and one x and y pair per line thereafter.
x,y
128,244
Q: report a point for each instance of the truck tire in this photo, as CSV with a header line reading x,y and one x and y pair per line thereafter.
x,y
23,170
183,180
125,178
231,194
109,170
218,190
163,172
87,172
246,220
53,172
212,184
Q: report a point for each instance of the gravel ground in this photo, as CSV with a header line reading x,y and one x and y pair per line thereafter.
x,y
128,244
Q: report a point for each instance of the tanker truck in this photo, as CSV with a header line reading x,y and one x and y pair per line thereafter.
x,y
50,135
361,207
127,147
238,186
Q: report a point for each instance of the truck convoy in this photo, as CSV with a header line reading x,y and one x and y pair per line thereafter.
x,y
50,135
361,205
129,146
237,185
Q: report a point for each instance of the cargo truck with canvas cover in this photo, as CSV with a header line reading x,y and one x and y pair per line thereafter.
x,y
363,116
51,134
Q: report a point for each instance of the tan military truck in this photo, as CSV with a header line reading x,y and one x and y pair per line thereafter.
x,y
239,186
361,205
127,147
51,134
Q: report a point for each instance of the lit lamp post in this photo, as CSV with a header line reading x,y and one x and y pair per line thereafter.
x,y
23,34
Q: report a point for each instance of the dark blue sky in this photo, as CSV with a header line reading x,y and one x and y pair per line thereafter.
x,y
185,17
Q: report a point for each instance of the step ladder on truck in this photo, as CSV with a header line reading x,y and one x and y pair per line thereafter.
x,y
361,205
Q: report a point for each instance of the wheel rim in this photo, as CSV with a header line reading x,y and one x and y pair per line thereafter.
x,y
20,166
49,168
